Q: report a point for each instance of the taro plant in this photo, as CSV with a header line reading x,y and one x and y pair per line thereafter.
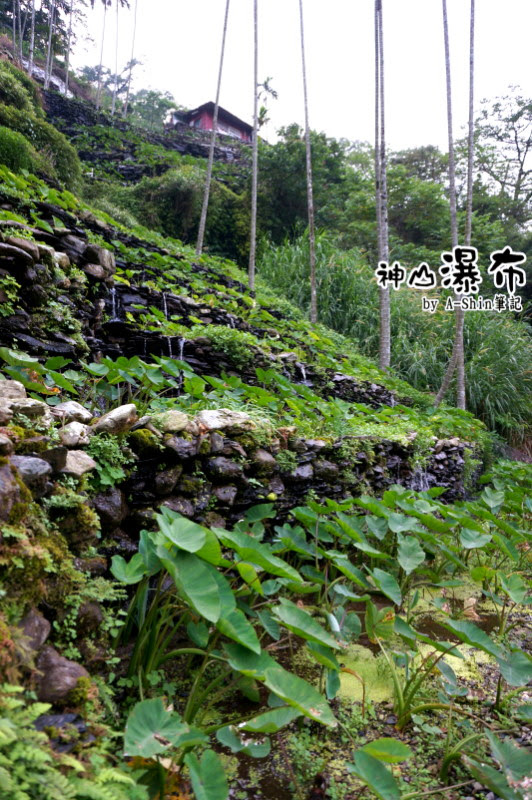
x,y
202,596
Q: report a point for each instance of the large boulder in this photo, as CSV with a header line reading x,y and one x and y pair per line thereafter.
x,y
78,463
71,411
12,390
75,434
95,254
111,508
224,419
58,676
171,421
118,420
36,629
34,472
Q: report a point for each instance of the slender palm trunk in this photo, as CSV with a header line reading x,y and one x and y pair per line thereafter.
x,y
384,294
310,193
32,39
20,32
115,88
255,160
126,101
471,128
99,89
457,358
206,194
14,12
377,140
69,43
49,55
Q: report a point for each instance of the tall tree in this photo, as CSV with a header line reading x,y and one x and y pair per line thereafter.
x,y
457,357
49,49
255,153
32,39
100,68
69,45
115,85
310,195
381,188
208,178
132,61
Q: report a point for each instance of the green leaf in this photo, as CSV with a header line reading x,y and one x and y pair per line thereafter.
x,y
377,526
388,585
471,539
379,623
524,712
271,721
492,498
410,553
375,775
260,512
515,587
195,581
332,684
323,655
151,729
181,531
302,624
516,668
131,572
269,624
237,627
232,737
207,776
249,574
514,760
258,554
469,633
299,694
387,749
491,779
199,633
399,523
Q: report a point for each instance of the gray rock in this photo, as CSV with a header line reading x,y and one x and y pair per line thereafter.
x,y
6,414
74,247
75,434
96,254
33,409
217,442
303,472
118,420
71,411
326,470
62,260
56,457
225,467
181,505
19,256
226,494
78,463
58,676
6,445
165,481
25,244
224,419
90,617
111,508
263,462
35,628
183,447
34,472
12,390
171,421
95,271
9,492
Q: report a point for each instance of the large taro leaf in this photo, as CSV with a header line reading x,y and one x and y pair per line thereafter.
x,y
469,633
271,721
387,749
298,693
207,776
514,760
491,779
151,729
232,737
129,572
235,626
258,554
516,668
187,535
375,775
410,554
388,585
302,624
195,581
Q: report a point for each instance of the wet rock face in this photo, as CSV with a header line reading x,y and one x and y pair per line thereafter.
x,y
36,629
34,472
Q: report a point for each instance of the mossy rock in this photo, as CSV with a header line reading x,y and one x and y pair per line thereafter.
x,y
144,443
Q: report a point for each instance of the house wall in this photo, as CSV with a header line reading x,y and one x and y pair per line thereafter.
x,y
205,122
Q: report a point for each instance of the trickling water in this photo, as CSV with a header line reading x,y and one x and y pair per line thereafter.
x,y
303,372
420,480
180,355
231,322
169,340
144,347
165,306
114,305
392,401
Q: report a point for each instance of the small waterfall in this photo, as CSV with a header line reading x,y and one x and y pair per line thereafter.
x,y
144,347
303,371
231,322
169,340
392,401
419,480
180,355
165,306
114,305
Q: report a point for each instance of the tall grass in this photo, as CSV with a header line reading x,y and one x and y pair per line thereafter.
x,y
498,347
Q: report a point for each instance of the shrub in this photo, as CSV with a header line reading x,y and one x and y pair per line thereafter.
x,y
16,152
49,143
27,88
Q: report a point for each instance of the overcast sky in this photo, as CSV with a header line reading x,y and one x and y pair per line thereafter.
x,y
179,45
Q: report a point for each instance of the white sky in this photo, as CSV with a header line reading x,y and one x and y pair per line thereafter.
x,y
179,45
